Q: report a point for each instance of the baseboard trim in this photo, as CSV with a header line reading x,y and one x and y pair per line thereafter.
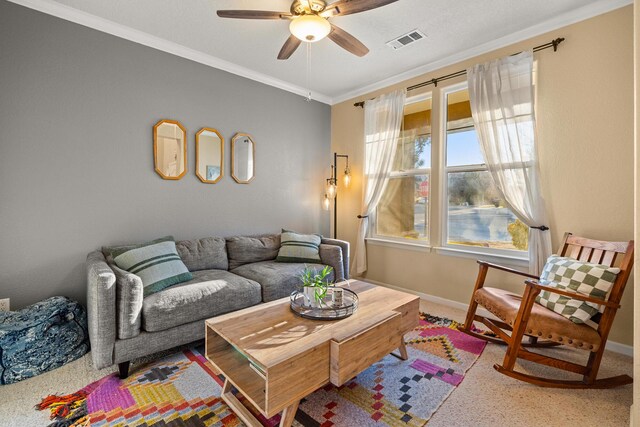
x,y
613,346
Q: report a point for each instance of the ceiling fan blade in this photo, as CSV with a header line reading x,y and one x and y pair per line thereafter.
x,y
289,47
348,7
253,14
347,41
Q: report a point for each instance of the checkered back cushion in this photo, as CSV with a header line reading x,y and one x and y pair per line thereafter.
x,y
594,280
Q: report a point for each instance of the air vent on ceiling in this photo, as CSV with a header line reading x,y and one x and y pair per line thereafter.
x,y
406,39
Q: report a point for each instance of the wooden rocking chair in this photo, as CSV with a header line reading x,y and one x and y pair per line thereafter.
x,y
523,316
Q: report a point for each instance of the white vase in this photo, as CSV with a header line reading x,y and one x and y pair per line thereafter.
x,y
310,296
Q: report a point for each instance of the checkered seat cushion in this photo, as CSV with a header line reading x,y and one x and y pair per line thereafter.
x,y
594,280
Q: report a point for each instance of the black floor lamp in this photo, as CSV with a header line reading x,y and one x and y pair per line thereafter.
x,y
332,189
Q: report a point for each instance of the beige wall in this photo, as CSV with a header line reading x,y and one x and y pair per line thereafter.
x,y
585,128
635,408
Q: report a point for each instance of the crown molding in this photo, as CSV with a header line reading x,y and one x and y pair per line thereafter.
x,y
563,20
59,10
67,13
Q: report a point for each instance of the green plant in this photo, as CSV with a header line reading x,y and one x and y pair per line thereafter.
x,y
311,278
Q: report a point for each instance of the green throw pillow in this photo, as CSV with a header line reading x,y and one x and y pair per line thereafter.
x,y
114,251
157,263
295,247
594,280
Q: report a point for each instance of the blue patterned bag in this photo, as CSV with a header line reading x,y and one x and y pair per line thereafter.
x,y
41,337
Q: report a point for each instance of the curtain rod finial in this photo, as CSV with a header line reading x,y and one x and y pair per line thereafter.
x,y
556,43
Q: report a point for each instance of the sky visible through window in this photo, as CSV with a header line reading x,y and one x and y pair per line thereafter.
x,y
463,148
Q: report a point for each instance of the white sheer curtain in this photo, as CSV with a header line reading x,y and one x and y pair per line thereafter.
x,y
382,122
502,105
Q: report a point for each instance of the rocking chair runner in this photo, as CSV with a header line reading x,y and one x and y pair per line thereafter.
x,y
523,316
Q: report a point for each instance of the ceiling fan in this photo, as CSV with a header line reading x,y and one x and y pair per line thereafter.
x,y
310,22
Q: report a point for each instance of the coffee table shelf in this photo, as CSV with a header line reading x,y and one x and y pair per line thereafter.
x,y
237,368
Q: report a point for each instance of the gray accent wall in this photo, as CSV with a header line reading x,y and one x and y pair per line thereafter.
x,y
77,108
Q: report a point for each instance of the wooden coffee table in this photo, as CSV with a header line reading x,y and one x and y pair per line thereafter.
x,y
275,358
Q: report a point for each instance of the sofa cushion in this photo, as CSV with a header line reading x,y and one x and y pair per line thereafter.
x,y
111,251
296,247
209,253
210,293
278,280
114,251
244,250
157,263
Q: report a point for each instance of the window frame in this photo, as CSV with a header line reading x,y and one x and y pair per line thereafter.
x,y
517,256
419,244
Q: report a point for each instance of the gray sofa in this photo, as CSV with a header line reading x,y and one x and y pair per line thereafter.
x,y
228,274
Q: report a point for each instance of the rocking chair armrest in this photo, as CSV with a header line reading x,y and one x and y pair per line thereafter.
x,y
507,269
537,285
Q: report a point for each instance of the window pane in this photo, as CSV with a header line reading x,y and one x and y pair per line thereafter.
x,y
413,152
477,216
404,208
462,142
414,145
463,148
459,110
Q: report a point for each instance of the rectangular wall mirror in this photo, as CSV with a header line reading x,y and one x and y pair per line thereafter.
x,y
170,149
209,155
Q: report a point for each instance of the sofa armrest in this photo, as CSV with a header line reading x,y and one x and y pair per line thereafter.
x,y
129,296
101,309
332,256
344,246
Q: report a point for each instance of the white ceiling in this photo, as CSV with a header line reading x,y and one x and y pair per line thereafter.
x,y
455,30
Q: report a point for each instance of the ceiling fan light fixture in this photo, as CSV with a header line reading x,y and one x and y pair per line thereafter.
x,y
310,28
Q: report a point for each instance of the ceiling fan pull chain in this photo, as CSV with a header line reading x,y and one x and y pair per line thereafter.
x,y
308,97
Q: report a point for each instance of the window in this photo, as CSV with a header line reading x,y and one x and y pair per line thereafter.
x,y
474,214
403,211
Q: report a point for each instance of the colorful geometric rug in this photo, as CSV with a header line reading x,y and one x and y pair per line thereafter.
x,y
183,389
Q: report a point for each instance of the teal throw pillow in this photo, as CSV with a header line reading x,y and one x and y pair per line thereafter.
x,y
295,247
157,263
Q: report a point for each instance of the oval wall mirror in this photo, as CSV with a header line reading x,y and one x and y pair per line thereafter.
x,y
209,155
170,149
243,152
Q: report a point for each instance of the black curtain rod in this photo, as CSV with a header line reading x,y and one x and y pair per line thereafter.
x,y
552,44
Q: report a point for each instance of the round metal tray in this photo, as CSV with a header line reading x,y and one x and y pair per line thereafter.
x,y
327,311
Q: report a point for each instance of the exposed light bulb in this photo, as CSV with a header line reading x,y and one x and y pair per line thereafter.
x,y
310,28
332,190
347,177
326,203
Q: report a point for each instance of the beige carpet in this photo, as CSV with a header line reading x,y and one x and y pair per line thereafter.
x,y
485,397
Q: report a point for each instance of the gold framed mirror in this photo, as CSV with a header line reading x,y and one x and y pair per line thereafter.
x,y
209,155
243,153
170,149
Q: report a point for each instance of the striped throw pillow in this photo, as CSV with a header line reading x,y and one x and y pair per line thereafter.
x,y
594,280
296,247
157,263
